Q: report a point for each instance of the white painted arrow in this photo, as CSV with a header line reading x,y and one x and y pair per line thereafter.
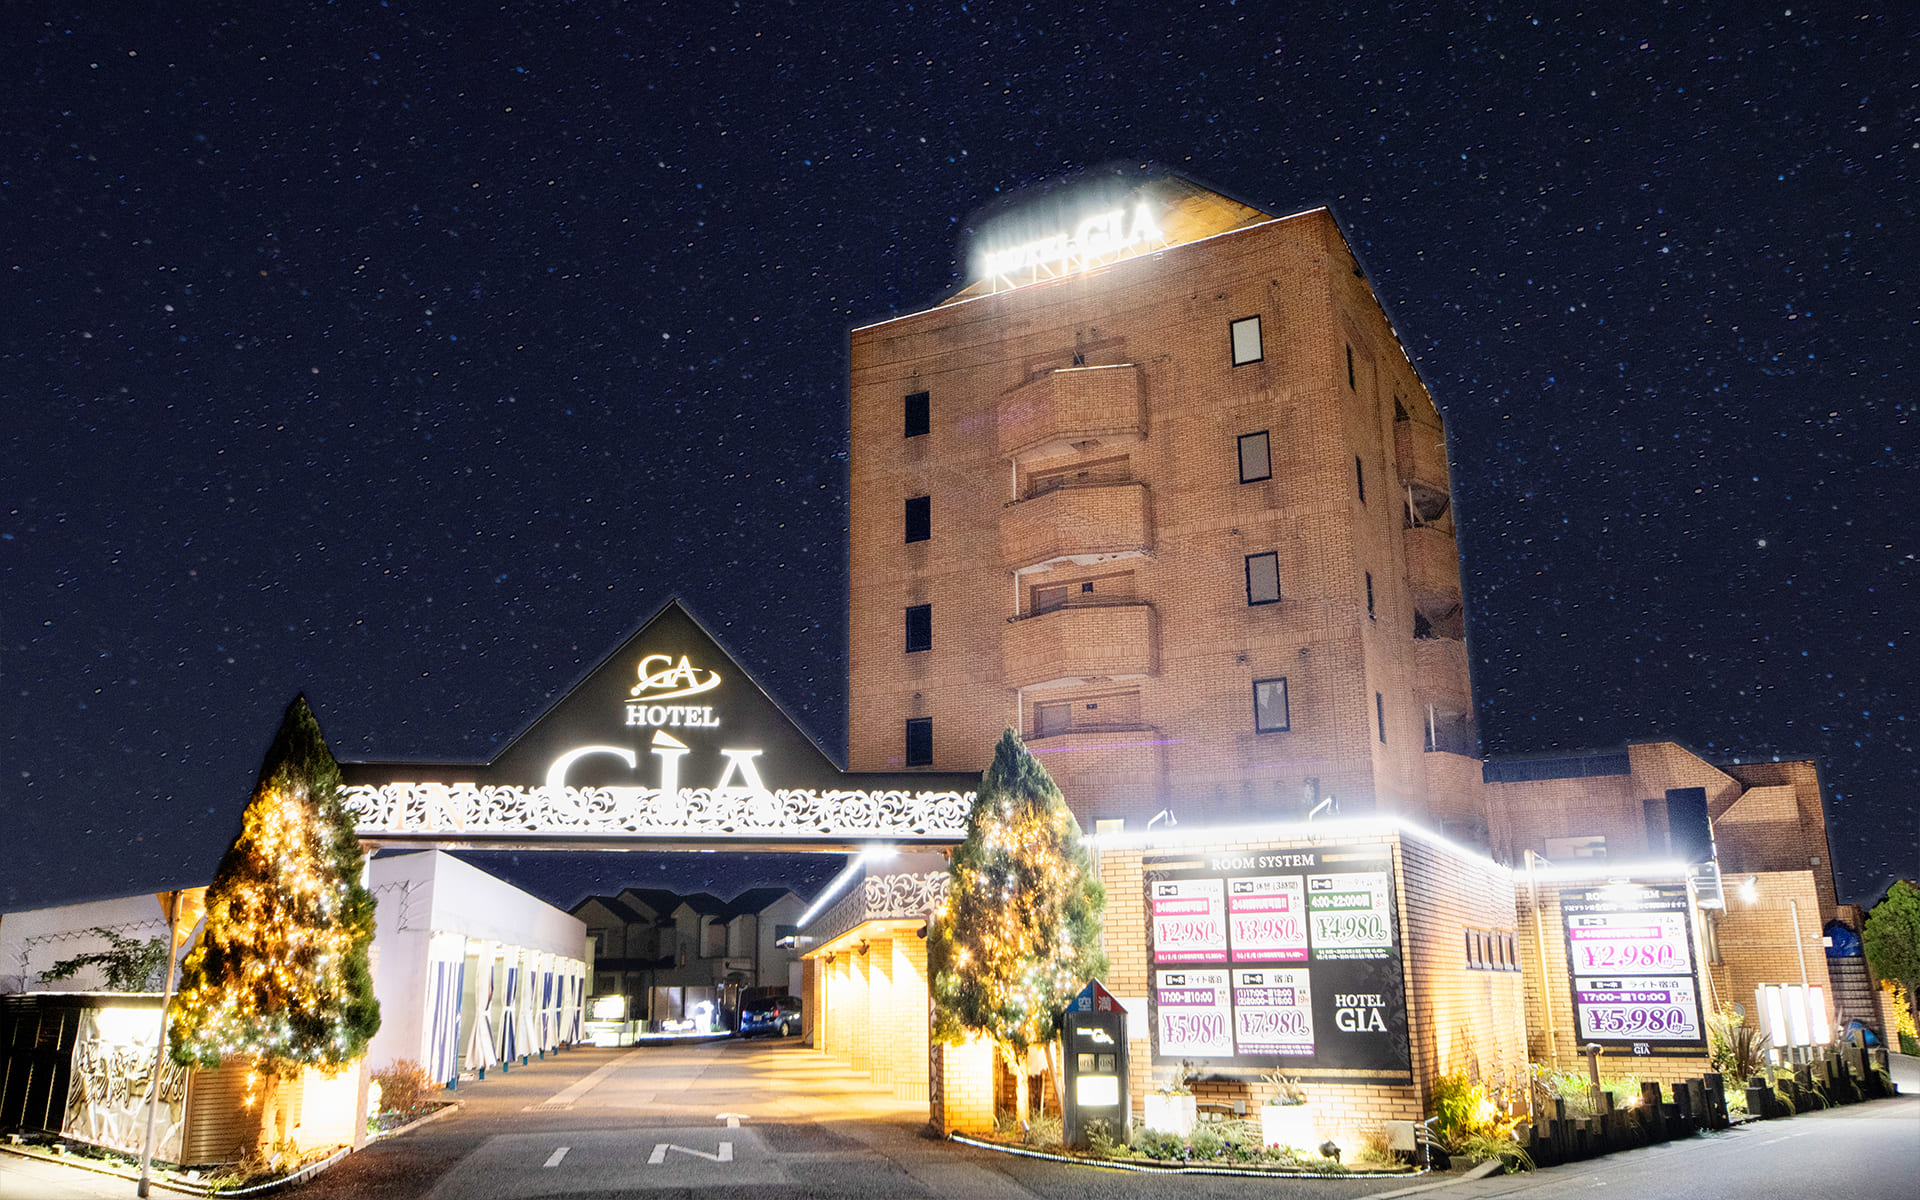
x,y
660,1149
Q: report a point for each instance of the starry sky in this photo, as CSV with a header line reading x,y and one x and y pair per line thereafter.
x,y
409,356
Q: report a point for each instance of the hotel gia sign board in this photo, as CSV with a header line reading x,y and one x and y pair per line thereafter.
x,y
667,740
1096,238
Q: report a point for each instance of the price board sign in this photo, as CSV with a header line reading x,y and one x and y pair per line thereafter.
x,y
1631,967
1282,958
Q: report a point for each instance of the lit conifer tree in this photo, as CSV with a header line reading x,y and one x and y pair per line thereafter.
x,y
1019,934
280,975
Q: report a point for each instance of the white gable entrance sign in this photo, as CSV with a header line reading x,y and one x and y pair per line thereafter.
x,y
667,742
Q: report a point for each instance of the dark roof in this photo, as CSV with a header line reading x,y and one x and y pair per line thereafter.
x,y
707,904
659,901
755,899
613,906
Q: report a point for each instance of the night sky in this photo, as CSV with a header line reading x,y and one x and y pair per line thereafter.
x,y
410,356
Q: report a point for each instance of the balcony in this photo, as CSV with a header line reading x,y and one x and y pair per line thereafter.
x,y
1420,455
1069,408
1433,568
1076,525
1080,642
1440,673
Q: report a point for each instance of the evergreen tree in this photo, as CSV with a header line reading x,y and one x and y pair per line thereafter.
x,y
1891,939
1019,934
280,974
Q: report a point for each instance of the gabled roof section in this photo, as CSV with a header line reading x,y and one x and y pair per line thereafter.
x,y
614,907
754,900
685,686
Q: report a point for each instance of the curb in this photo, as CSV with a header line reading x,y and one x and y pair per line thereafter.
x,y
1108,1164
445,1110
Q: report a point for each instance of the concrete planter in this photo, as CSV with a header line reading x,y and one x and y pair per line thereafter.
x,y
1172,1114
1289,1125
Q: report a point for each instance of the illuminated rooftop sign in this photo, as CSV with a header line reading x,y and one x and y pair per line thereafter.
x,y
1097,239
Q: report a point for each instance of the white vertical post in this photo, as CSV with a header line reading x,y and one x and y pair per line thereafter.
x,y
159,1049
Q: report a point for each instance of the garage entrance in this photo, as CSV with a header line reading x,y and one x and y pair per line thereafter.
x,y
669,744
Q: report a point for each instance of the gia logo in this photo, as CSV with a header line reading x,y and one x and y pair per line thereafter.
x,y
663,679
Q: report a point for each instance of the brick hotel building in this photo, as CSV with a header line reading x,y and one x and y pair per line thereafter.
x,y
1169,498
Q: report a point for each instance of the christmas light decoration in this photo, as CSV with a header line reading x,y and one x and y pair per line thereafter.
x,y
1019,933
280,975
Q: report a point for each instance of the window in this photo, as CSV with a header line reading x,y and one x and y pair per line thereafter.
x,y
1380,716
1263,578
919,741
1046,599
1270,713
917,412
1255,462
1052,718
919,627
919,518
1246,341
1369,595
1359,479
1350,384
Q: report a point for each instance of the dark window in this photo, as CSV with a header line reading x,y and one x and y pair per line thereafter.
x,y
917,423
1369,595
919,741
1246,341
1263,578
1350,383
1270,713
1380,716
1255,462
1359,479
919,627
1049,719
1046,599
919,518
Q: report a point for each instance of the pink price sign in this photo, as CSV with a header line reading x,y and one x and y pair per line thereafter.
x,y
1267,919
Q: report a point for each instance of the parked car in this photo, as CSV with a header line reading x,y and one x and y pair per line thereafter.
x,y
770,1014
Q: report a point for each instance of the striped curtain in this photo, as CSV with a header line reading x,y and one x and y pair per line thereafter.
x,y
509,1014
480,1047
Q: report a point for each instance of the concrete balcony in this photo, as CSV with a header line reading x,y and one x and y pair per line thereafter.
x,y
1072,408
1440,673
1071,645
1433,568
1076,525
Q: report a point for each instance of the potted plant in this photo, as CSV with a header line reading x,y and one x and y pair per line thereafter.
x,y
1286,1119
1171,1107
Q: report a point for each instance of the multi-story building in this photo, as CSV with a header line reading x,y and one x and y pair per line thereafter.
x,y
1182,518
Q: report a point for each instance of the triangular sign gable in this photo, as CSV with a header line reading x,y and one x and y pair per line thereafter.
x,y
669,709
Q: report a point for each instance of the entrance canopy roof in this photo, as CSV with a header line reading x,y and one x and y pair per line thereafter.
x,y
667,744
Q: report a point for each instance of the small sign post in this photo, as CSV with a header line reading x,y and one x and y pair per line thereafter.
x,y
1093,1031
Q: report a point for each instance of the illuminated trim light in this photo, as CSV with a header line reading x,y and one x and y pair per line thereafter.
x,y
1096,240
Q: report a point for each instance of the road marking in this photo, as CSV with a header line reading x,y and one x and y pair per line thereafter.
x,y
553,1160
732,1119
660,1149
565,1098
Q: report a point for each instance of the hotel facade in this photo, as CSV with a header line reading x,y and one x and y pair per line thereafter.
x,y
1163,492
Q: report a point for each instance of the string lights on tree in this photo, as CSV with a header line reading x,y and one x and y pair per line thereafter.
x,y
1019,933
280,975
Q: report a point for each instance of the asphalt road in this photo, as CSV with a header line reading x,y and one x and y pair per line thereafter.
x,y
773,1121
766,1120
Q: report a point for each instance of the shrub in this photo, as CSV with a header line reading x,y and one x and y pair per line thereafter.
x,y
404,1087
1738,1050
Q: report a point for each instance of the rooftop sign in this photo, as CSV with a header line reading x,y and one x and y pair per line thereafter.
x,y
1097,239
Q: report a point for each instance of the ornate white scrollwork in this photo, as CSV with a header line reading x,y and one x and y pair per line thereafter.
x,y
882,898
470,809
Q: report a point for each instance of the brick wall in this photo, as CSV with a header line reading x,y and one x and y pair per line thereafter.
x,y
989,365
1757,939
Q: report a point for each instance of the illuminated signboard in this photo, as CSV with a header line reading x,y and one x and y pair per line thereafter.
x,y
1630,962
667,739
1098,238
1277,959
